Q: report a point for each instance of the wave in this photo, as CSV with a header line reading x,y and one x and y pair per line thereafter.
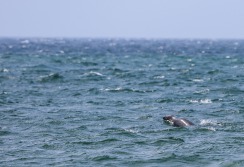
x,y
121,89
51,77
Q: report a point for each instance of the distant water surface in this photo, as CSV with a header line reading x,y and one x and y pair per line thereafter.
x,y
100,102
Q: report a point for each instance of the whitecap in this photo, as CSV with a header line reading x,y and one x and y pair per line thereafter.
x,y
197,80
107,89
202,91
118,88
159,77
95,73
211,129
194,101
131,130
25,41
206,101
4,70
112,89
203,101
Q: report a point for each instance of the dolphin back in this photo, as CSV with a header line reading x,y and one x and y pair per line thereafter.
x,y
182,122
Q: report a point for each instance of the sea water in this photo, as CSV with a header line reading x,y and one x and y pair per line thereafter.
x,y
100,102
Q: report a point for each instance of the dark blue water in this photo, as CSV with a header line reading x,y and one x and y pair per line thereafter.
x,y
100,102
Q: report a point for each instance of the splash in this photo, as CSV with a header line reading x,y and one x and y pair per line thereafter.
x,y
207,122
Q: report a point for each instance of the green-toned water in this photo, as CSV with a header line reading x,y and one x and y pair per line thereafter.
x,y
87,102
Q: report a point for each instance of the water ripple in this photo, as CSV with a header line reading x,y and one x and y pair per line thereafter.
x,y
100,102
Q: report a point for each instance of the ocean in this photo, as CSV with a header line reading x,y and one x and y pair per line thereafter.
x,y
101,102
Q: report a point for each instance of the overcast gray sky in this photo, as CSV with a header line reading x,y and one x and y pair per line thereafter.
x,y
122,18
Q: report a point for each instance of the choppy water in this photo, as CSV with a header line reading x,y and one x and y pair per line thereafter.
x,y
87,102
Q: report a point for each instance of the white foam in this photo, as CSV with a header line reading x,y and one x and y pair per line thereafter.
x,y
197,80
5,70
193,101
25,42
206,101
159,77
202,91
118,88
208,122
115,89
95,73
131,130
211,128
203,101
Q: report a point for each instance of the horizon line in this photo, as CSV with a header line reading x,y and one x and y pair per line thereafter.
x,y
120,38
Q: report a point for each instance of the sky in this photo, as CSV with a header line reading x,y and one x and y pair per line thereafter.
x,y
212,19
